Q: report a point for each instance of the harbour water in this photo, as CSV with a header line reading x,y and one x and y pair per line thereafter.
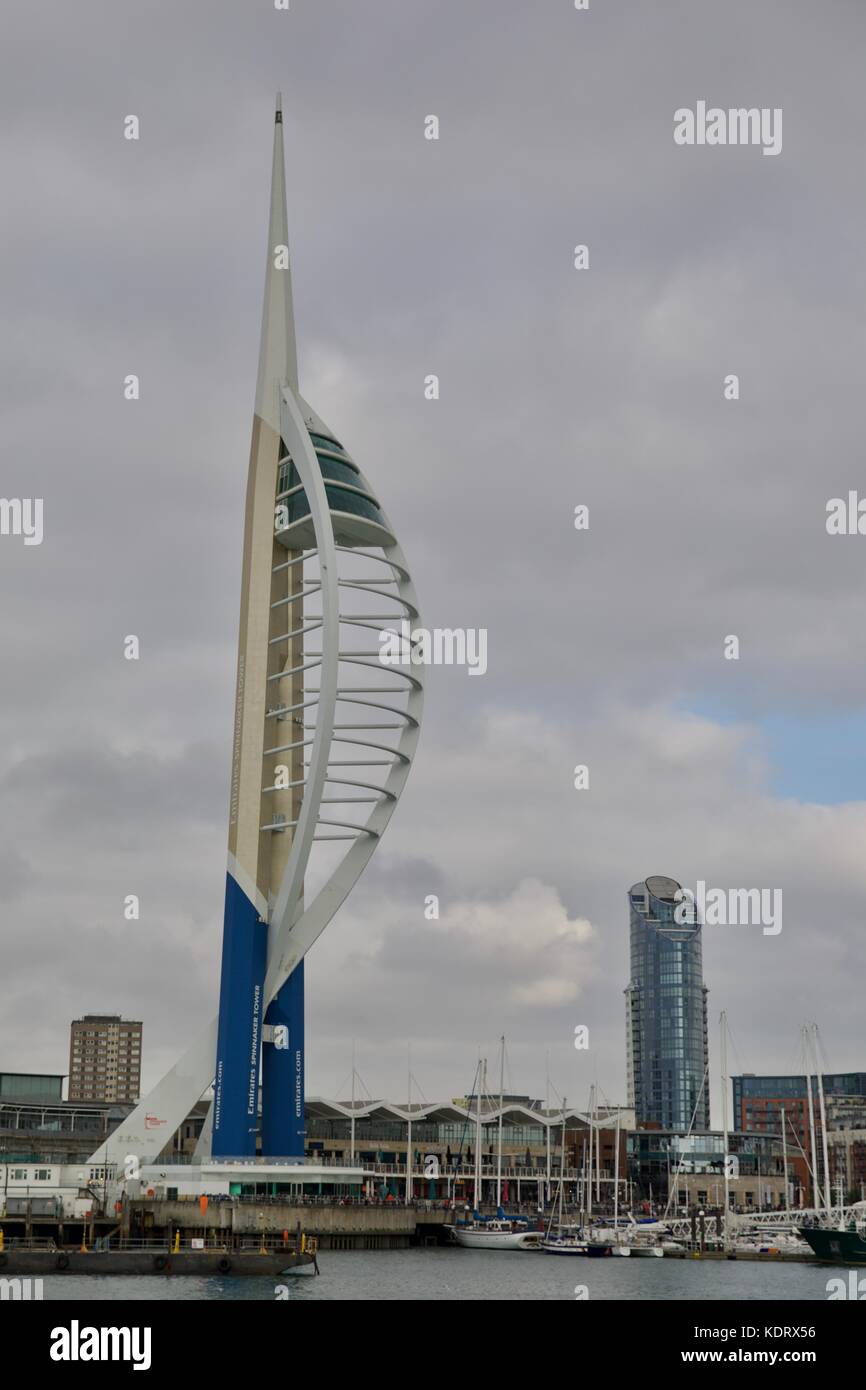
x,y
472,1275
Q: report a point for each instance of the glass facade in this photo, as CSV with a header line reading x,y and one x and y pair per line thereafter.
x,y
18,1084
429,1131
60,1119
747,1088
654,1155
346,489
321,441
340,500
666,1009
760,1100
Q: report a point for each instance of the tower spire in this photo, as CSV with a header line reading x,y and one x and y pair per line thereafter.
x,y
278,360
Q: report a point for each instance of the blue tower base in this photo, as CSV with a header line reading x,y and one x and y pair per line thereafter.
x,y
236,1079
283,1072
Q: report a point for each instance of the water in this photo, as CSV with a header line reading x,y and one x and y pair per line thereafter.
x,y
471,1275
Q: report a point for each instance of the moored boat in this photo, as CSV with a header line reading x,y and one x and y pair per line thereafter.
x,y
496,1235
838,1247
563,1245
645,1247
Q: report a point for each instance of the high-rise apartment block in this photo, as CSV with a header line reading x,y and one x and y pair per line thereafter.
x,y
666,1004
104,1058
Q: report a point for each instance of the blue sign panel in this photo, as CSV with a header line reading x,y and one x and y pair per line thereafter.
x,y
236,1081
283,1072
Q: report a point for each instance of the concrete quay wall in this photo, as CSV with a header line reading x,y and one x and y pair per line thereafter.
x,y
379,1227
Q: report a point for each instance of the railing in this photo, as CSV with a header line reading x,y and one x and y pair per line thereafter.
x,y
289,1199
465,1171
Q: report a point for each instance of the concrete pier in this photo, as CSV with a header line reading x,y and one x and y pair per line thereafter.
x,y
384,1227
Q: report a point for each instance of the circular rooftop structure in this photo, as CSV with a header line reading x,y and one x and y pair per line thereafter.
x,y
665,889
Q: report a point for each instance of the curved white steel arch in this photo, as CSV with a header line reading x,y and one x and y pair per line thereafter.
x,y
292,927
300,447
290,933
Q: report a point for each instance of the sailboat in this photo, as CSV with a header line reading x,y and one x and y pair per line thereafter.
x,y
496,1234
600,1240
643,1244
565,1240
838,1241
499,1232
619,1247
840,1246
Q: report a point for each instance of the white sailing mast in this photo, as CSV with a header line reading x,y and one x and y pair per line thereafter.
x,y
547,1111
478,1080
616,1177
828,1196
499,1135
723,1028
409,1125
816,1198
785,1159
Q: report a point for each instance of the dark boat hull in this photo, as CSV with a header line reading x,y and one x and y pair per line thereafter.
x,y
838,1247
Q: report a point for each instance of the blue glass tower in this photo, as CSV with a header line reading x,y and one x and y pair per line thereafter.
x,y
666,1009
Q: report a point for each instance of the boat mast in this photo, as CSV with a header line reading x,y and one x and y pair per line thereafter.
x,y
589,1169
785,1159
723,1026
547,1107
499,1135
823,1113
409,1129
597,1148
558,1201
562,1164
816,1202
478,1077
616,1176
352,1122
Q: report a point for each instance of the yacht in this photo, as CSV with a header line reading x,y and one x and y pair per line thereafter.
x,y
497,1234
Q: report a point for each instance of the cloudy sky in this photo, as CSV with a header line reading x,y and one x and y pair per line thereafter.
x,y
558,387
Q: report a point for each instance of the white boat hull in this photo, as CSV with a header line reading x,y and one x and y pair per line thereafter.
x,y
497,1240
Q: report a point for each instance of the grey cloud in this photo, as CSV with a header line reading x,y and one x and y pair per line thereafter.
x,y
558,387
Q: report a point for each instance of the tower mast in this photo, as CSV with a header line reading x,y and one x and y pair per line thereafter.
x,y
267,785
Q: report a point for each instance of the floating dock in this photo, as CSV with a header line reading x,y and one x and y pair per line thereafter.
x,y
203,1264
